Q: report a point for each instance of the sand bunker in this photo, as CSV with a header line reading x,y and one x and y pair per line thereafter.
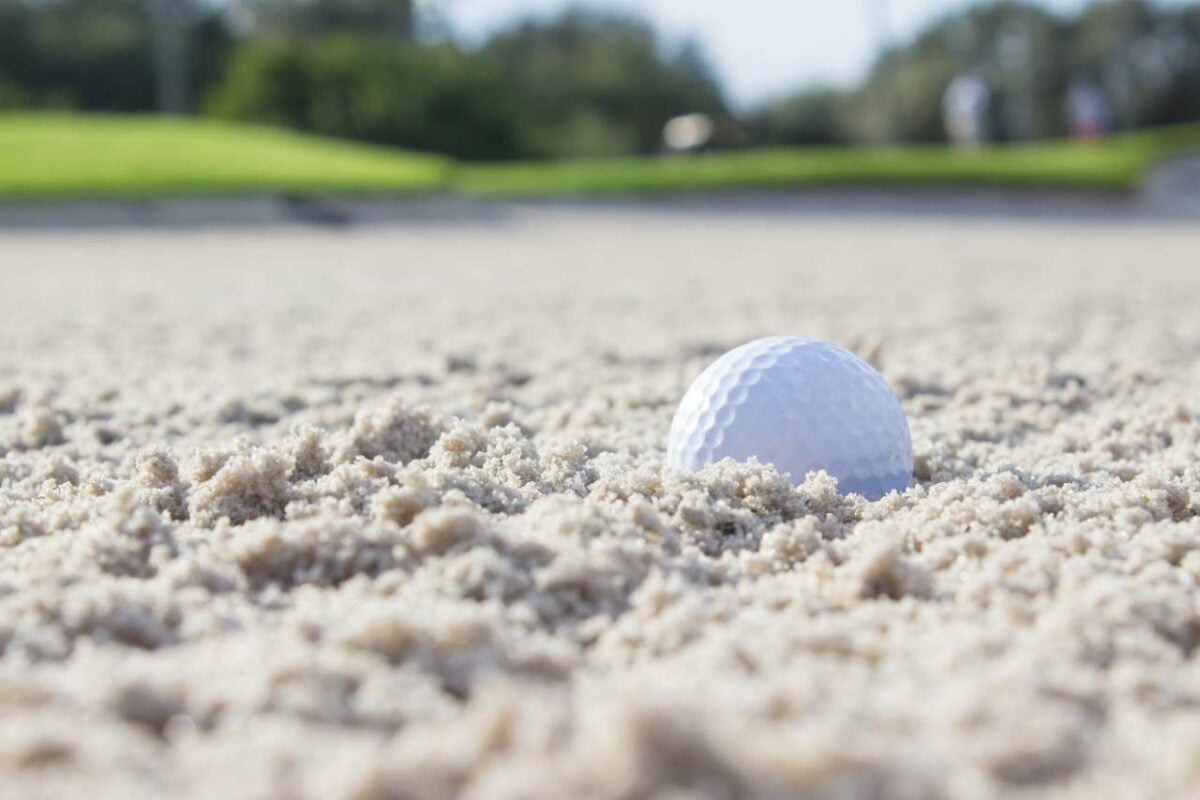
x,y
383,514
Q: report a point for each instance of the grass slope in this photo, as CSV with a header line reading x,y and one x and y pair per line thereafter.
x,y
1117,163
46,156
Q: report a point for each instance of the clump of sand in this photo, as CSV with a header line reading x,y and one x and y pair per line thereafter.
x,y
383,514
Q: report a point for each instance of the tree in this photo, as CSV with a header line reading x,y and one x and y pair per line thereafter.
x,y
1144,57
113,55
372,88
79,53
1013,45
1147,59
814,117
600,84
306,18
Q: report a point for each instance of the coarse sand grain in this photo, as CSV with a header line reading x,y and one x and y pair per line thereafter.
x,y
382,513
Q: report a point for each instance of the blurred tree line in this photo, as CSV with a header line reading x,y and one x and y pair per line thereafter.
x,y
386,71
1144,58
375,70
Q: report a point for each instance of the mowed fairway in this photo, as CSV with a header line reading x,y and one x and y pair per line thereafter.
x,y
383,513
71,156
1118,163
64,156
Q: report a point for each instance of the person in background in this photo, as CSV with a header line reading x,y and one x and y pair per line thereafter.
x,y
1089,115
965,107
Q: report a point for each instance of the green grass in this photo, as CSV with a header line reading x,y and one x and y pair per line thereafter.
x,y
1117,163
48,156
55,156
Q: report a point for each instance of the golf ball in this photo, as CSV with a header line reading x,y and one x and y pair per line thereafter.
x,y
800,404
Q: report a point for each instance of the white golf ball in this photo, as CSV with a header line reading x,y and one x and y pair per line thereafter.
x,y
802,405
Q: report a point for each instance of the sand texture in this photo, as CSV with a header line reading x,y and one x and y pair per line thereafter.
x,y
382,513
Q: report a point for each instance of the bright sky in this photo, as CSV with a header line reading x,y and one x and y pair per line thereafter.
x,y
759,48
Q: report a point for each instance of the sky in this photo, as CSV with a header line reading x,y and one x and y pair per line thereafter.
x,y
759,48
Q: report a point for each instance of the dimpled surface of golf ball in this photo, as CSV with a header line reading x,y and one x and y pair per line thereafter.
x,y
802,405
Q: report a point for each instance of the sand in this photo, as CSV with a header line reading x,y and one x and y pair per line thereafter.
x,y
382,513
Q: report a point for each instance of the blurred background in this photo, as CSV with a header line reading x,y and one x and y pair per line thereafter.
x,y
501,80
487,79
